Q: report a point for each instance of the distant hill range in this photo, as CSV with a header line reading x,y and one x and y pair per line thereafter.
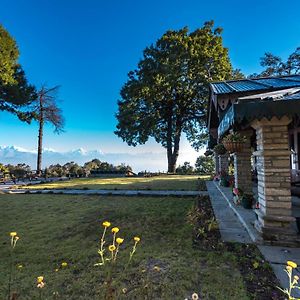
x,y
140,161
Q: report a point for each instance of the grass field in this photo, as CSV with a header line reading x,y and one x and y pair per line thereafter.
x,y
60,228
170,182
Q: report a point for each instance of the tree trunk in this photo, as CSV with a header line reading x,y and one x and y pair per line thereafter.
x,y
40,138
40,147
173,153
171,166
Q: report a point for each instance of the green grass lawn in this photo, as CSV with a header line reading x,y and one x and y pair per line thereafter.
x,y
62,228
176,182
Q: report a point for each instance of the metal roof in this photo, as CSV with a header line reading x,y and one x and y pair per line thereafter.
x,y
256,84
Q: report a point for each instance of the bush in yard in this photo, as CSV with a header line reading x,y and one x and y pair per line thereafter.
x,y
204,165
185,169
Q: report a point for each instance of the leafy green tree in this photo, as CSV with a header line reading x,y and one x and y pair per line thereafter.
x,y
186,168
91,165
3,169
123,168
15,91
56,170
16,97
9,55
237,74
72,169
276,66
204,165
167,94
19,171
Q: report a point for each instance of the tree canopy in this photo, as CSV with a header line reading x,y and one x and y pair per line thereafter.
x,y
275,66
15,91
166,95
9,55
205,164
15,97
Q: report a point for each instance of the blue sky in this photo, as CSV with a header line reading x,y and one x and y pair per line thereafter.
x,y
89,46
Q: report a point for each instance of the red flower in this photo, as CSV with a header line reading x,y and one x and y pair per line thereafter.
x,y
236,191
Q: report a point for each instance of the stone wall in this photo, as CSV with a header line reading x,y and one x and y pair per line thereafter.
x,y
242,165
275,220
224,162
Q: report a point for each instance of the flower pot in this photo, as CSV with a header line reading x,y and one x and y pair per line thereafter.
x,y
224,182
247,202
233,147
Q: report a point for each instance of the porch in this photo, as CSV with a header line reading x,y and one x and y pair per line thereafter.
x,y
248,217
267,126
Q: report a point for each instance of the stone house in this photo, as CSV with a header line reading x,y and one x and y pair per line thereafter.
x,y
267,112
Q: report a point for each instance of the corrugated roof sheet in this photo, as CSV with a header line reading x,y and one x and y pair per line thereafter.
x,y
245,85
292,77
257,84
221,88
277,82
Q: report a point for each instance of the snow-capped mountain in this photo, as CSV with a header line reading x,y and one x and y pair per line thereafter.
x,y
139,161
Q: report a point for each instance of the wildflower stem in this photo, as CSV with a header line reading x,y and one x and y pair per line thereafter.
x,y
290,280
10,270
102,242
114,239
117,250
132,253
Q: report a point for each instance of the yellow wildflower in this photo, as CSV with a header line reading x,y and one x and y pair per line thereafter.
x,y
40,279
115,230
13,234
106,224
56,270
289,268
136,239
291,264
64,264
296,277
112,248
119,240
20,266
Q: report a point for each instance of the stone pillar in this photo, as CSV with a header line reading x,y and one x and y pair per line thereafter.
x,y
223,162
216,159
242,165
275,221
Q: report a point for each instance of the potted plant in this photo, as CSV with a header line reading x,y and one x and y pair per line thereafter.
x,y
220,149
224,179
237,195
234,142
208,152
247,201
